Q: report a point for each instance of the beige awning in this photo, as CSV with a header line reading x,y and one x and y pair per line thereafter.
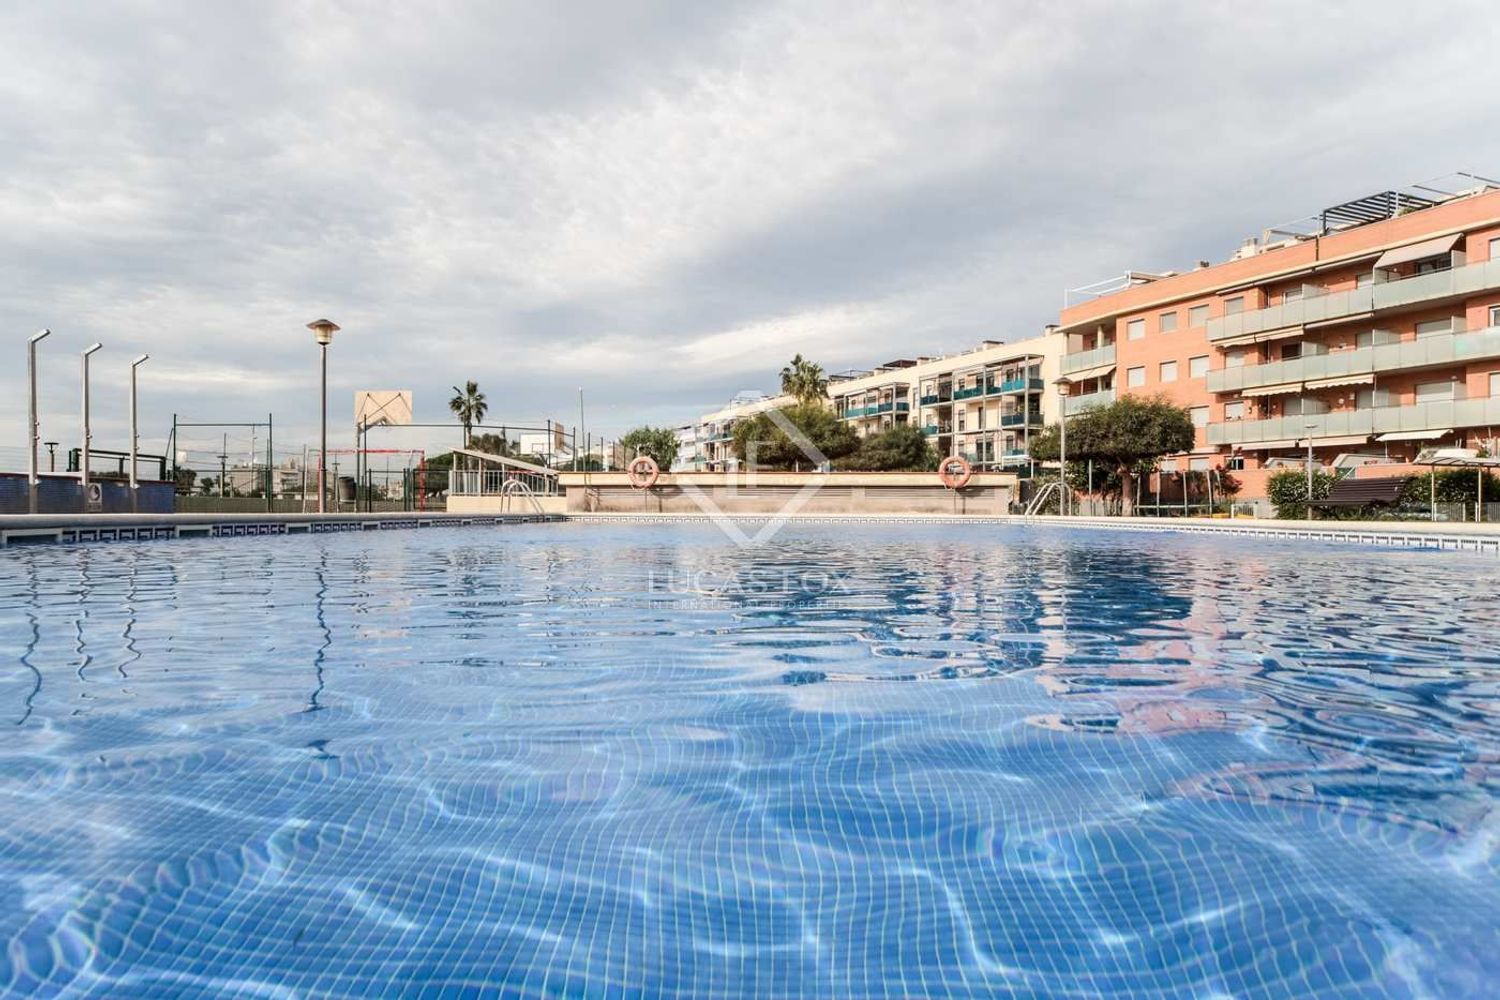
x,y
1419,251
1337,442
1088,373
1266,445
1329,383
1264,336
1414,435
1273,390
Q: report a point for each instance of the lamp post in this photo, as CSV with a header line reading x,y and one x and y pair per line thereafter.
x,y
34,427
1064,386
1309,427
83,454
323,331
134,437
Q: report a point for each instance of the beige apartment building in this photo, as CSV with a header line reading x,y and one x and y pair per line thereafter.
x,y
983,404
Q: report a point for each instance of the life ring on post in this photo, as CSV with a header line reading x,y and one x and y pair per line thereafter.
x,y
642,472
955,472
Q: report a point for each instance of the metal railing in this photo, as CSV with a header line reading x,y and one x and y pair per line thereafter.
x,y
1434,415
1427,351
1077,404
495,482
1469,279
1088,359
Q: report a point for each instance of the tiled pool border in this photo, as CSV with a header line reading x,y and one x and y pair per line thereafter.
x,y
32,529
43,529
1416,535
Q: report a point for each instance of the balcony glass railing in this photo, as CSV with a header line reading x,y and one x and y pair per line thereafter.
x,y
1077,404
969,393
1019,419
1021,384
1096,358
1428,351
1435,415
935,398
1470,279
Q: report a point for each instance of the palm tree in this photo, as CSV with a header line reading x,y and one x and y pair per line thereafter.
x,y
469,407
804,379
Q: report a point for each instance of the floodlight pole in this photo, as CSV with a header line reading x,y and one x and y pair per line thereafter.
x,y
134,436
33,425
1309,427
83,454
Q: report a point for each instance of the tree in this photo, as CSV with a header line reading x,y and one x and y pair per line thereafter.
x,y
804,380
184,479
469,406
495,444
758,440
1131,430
902,448
658,443
1453,486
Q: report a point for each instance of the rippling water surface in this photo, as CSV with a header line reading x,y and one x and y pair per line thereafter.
x,y
857,761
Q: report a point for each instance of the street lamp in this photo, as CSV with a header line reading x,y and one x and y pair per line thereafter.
x,y
83,454
35,435
134,437
1064,386
323,331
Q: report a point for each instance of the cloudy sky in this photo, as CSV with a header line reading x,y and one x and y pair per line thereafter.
x,y
657,201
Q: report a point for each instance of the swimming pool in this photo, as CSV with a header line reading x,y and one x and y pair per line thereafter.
x,y
860,760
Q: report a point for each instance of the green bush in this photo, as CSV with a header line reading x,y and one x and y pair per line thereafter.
x,y
903,448
1287,490
1453,486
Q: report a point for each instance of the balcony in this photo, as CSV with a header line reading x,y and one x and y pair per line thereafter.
x,y
935,429
1471,279
1430,351
1021,384
1436,415
1020,419
936,398
1077,404
1097,358
969,393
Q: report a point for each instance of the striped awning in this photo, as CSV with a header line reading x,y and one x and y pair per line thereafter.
x,y
1088,373
1262,337
1280,389
1414,435
1329,383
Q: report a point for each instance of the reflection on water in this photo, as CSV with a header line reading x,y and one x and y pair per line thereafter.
x,y
859,761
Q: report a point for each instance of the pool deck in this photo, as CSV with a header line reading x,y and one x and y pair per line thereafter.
x,y
42,528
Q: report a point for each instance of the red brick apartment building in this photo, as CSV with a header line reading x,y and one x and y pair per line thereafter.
x,y
1373,328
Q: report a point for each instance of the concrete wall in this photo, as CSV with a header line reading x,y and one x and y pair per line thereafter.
x,y
773,493
506,505
64,495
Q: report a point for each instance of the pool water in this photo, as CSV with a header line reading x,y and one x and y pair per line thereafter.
x,y
856,761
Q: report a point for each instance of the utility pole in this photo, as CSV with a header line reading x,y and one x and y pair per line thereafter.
x,y
223,457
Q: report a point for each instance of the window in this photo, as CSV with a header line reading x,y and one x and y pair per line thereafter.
x,y
1234,359
1495,313
1199,415
1135,329
1234,410
1135,377
1234,305
1290,352
1495,248
1495,383
1198,316
1431,264
1167,465
1199,465
1234,463
1198,367
1167,322
1429,327
1427,391
1292,294
1169,371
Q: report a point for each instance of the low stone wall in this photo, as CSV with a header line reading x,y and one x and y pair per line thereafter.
x,y
507,505
777,493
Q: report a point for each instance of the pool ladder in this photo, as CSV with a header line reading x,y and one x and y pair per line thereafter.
x,y
1040,498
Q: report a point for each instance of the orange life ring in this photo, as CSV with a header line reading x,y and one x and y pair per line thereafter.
x,y
642,471
955,472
